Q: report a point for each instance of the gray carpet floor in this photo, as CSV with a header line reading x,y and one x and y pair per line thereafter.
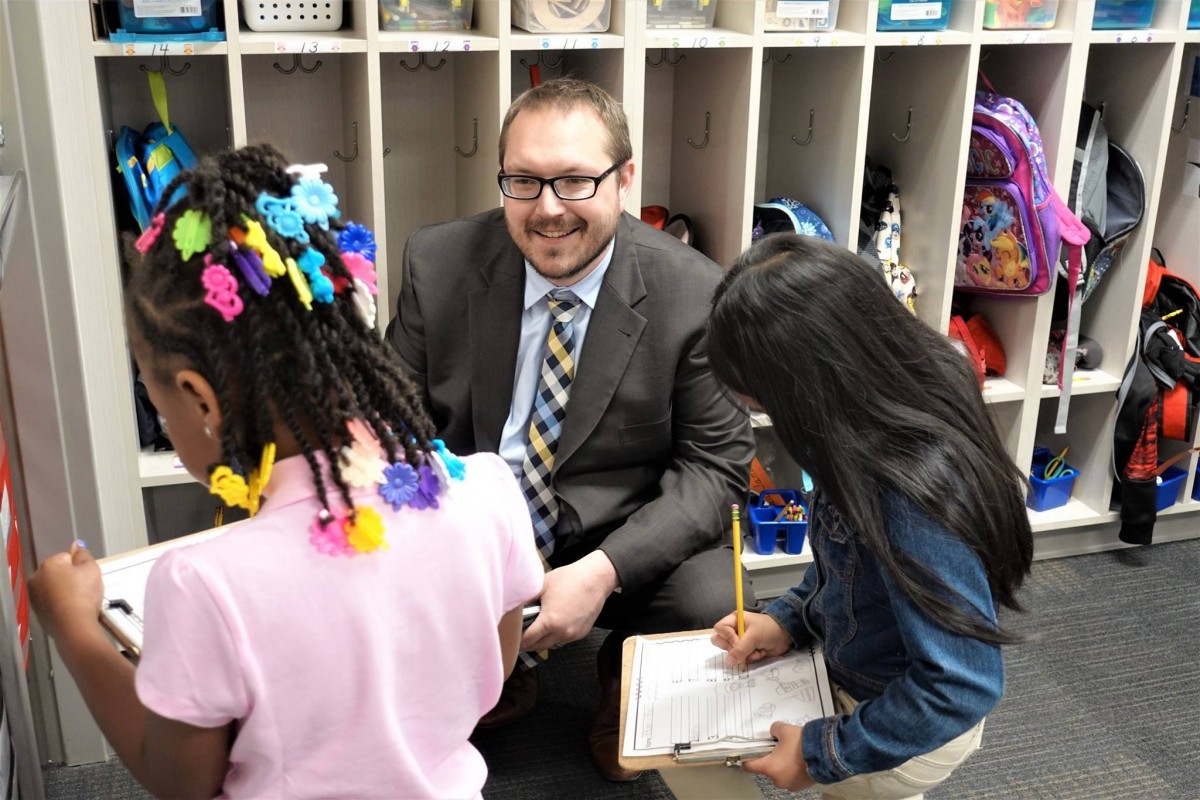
x,y
1105,703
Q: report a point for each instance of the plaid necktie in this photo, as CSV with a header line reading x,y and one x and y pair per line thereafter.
x,y
545,423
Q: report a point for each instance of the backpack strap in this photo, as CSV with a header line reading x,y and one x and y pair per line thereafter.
x,y
1074,236
158,92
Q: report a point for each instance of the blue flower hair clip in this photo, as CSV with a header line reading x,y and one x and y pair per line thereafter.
x,y
313,198
356,238
281,214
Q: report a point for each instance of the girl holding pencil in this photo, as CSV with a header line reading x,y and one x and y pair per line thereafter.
x,y
917,522
344,641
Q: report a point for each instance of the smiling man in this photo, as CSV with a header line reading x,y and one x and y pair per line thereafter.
x,y
568,336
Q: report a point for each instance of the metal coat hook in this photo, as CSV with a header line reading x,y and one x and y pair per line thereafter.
x,y
770,55
543,61
890,54
165,66
681,57
663,59
297,64
1187,109
810,131
354,155
422,61
387,151
703,144
474,140
907,131
1103,108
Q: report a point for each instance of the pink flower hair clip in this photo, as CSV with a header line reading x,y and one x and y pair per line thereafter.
x,y
222,289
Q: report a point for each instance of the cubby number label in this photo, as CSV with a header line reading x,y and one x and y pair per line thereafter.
x,y
570,42
698,42
438,45
159,49
300,46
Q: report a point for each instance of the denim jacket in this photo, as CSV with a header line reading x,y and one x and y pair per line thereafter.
x,y
918,685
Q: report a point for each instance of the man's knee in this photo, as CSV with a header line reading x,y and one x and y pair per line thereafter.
x,y
702,588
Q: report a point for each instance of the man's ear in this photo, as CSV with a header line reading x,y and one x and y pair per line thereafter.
x,y
627,172
200,395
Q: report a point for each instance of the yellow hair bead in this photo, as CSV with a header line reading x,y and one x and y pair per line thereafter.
x,y
366,533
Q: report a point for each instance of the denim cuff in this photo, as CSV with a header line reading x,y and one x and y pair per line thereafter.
x,y
820,754
788,611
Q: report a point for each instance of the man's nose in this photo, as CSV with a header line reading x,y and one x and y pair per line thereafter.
x,y
548,203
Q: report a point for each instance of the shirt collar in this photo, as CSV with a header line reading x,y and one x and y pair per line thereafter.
x,y
587,289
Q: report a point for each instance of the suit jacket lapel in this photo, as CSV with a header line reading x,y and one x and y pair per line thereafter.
x,y
494,319
612,336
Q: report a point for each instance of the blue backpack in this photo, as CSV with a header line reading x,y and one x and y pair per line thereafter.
x,y
149,160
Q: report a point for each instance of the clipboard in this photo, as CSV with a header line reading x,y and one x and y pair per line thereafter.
x,y
729,750
125,577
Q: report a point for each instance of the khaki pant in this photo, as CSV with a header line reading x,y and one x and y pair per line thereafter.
x,y
910,780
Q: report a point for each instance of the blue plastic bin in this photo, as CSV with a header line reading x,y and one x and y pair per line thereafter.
x,y
204,21
1123,14
1168,490
1194,15
913,15
1046,493
1196,485
765,531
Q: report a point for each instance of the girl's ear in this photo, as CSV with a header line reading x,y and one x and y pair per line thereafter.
x,y
199,394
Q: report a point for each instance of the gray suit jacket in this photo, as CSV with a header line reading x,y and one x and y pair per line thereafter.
x,y
652,453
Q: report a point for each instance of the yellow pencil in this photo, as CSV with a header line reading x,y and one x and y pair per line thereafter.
x,y
737,576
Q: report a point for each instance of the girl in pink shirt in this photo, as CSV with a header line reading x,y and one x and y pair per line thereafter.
x,y
345,640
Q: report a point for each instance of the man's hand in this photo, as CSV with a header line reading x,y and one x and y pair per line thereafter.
x,y
785,764
572,597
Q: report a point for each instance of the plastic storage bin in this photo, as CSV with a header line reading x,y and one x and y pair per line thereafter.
x,y
765,531
1196,483
1168,490
1131,14
680,13
1015,14
1046,493
167,17
578,16
913,15
292,15
801,15
425,15
1194,15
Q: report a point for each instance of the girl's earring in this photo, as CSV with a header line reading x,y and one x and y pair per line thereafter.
x,y
208,431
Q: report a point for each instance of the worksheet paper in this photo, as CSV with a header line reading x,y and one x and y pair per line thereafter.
x,y
682,691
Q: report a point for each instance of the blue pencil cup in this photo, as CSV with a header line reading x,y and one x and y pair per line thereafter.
x,y
1168,490
1046,493
765,531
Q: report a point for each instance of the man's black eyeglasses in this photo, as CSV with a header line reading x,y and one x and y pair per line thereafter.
x,y
566,187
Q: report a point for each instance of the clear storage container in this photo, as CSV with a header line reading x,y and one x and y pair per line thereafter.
x,y
577,16
680,13
292,15
425,15
1194,15
913,15
1123,14
1010,14
801,15
171,17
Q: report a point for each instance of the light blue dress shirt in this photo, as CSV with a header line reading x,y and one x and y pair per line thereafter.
x,y
531,351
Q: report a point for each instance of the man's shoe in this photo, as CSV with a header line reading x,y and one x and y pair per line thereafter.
x,y
517,698
604,740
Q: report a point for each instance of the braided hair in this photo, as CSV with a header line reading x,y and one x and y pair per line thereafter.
x,y
315,367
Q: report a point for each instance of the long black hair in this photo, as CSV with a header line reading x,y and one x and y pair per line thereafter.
x,y
315,370
867,399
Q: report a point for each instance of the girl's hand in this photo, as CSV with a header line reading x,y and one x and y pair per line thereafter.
x,y
764,638
66,591
785,764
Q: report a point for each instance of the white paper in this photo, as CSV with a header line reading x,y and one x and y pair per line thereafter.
x,y
683,692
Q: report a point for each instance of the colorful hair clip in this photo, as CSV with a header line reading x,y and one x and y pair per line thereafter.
x,y
365,533
259,478
250,265
192,233
427,489
150,235
298,281
364,304
315,201
281,214
454,465
328,534
310,263
362,465
362,269
361,433
229,486
399,485
256,237
222,289
356,238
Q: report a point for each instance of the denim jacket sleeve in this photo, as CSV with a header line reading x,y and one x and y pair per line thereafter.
x,y
950,682
788,608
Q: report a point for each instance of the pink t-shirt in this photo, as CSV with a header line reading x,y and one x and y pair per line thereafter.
x,y
353,676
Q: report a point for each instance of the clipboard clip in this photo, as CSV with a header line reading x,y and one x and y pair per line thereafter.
x,y
748,748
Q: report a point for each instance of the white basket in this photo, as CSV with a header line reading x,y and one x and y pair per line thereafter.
x,y
292,15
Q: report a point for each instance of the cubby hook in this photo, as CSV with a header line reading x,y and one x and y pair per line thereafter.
x,y
679,57
703,144
165,66
297,64
907,130
890,54
422,61
662,56
542,61
771,55
354,155
1187,108
810,131
474,140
